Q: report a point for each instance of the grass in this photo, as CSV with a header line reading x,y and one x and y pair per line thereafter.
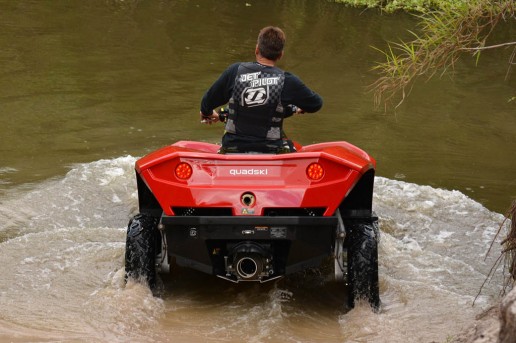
x,y
409,5
444,35
508,255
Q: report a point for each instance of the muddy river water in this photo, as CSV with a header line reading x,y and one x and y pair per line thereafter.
x,y
87,87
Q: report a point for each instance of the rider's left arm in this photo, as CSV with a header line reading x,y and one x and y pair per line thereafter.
x,y
295,92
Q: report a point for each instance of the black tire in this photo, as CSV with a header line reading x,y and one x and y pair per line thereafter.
x,y
140,249
362,238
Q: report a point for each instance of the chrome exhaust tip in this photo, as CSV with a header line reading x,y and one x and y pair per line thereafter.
x,y
249,267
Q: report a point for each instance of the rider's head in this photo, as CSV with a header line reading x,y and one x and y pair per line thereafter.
x,y
270,43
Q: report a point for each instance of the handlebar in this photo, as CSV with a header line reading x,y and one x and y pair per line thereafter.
x,y
223,115
224,112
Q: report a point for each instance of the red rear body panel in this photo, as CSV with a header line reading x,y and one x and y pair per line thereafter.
x,y
276,181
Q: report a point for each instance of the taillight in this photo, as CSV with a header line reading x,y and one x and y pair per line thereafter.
x,y
315,171
183,171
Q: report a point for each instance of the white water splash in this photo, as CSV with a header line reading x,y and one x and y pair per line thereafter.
x,y
61,260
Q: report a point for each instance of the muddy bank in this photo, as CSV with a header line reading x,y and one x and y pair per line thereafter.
x,y
498,324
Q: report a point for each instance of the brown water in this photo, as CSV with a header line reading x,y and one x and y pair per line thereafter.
x,y
86,86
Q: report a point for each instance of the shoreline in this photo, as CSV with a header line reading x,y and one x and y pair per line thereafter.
x,y
391,6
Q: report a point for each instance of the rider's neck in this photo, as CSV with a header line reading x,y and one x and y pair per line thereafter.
x,y
264,61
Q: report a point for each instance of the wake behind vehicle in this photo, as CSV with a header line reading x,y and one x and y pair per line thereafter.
x,y
256,217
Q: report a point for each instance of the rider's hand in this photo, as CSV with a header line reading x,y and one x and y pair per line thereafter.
x,y
299,111
293,110
209,119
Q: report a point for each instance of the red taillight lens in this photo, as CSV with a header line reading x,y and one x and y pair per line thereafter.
x,y
315,171
183,171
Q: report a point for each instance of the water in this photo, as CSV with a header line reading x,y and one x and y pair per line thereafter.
x,y
87,87
81,81
62,263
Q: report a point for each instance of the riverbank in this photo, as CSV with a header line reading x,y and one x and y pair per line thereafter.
x,y
406,5
498,324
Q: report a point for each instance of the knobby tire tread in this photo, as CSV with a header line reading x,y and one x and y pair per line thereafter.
x,y
363,237
140,251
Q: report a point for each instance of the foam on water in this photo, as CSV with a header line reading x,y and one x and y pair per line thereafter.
x,y
69,282
101,193
62,251
4,171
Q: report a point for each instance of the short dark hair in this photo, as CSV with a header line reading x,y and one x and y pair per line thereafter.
x,y
270,42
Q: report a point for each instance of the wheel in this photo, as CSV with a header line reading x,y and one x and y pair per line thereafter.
x,y
362,241
140,249
339,252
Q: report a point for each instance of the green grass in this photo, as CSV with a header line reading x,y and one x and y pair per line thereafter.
x,y
409,5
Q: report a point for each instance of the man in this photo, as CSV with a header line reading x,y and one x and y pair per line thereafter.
x,y
259,96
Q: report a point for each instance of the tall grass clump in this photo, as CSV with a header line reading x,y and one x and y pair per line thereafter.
x,y
407,5
508,254
444,35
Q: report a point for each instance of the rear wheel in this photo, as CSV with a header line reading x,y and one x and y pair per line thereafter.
x,y
339,252
362,241
140,249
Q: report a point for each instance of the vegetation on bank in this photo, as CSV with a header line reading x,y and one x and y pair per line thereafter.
x,y
508,255
408,5
509,245
448,29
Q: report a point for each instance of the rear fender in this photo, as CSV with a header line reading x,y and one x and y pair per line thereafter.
x,y
146,200
275,181
359,202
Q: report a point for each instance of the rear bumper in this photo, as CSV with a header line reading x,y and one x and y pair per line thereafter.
x,y
205,243
247,220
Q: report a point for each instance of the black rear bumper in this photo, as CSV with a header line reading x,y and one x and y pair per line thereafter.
x,y
247,220
204,242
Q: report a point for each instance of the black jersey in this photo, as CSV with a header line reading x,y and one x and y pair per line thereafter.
x,y
293,92
255,108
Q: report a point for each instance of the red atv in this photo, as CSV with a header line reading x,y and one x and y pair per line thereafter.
x,y
256,217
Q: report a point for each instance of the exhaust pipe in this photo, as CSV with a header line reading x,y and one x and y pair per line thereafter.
x,y
249,261
249,266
